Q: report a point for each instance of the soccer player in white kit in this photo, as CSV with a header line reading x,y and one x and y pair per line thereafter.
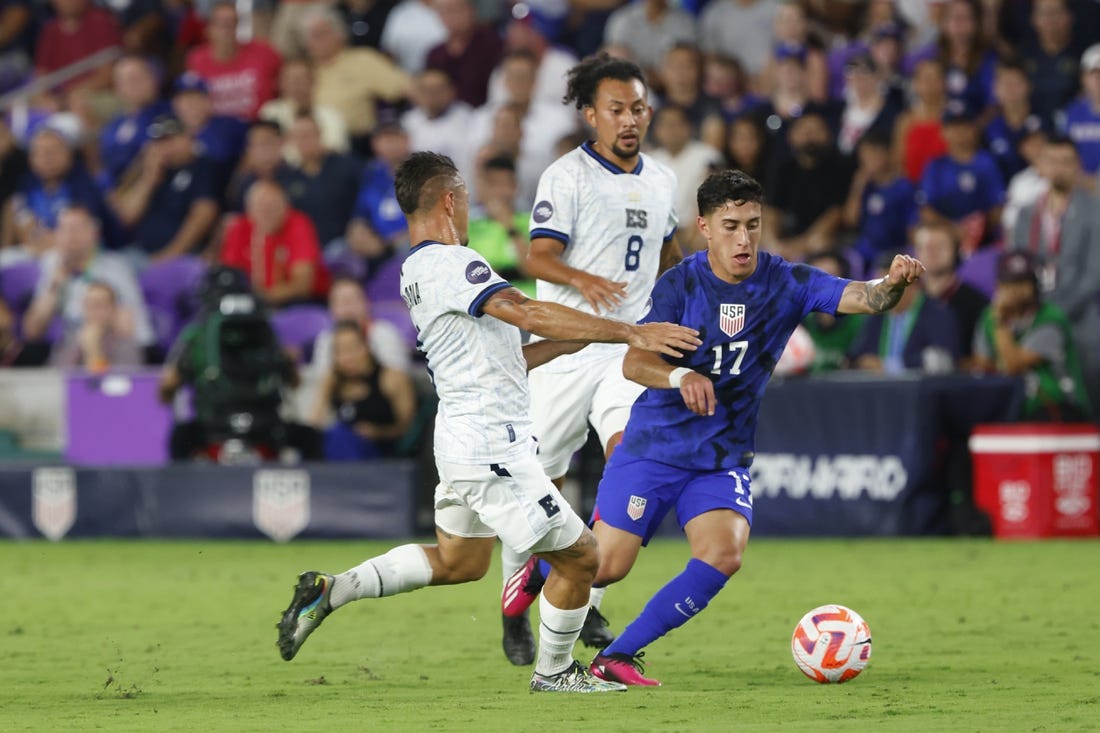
x,y
490,483
602,230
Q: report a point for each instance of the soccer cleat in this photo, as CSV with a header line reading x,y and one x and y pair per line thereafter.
x,y
519,642
622,668
522,588
596,632
574,678
308,608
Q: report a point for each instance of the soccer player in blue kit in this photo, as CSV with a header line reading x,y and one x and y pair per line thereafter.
x,y
689,441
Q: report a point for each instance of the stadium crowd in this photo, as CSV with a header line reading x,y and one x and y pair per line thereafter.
x,y
965,131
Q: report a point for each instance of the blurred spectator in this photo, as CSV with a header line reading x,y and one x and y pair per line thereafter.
x,y
98,344
1051,60
648,29
886,47
936,246
365,20
788,100
681,76
498,226
377,226
351,81
691,161
412,30
918,334
1029,184
373,405
470,52
276,247
16,43
963,187
866,106
136,85
807,191
791,33
77,30
724,81
1013,121
329,181
1062,231
521,125
263,161
967,60
348,302
833,336
296,98
11,350
144,26
743,27
881,203
56,180
918,133
1081,120
169,200
241,76
439,121
923,17
747,149
218,138
288,34
13,164
76,261
1022,335
530,30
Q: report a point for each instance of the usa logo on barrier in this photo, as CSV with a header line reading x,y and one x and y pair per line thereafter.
x,y
636,508
280,502
731,318
53,506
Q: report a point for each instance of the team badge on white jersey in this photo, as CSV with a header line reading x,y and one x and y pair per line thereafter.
x,y
636,508
731,318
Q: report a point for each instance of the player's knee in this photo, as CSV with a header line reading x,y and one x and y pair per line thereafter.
x,y
612,570
462,568
726,560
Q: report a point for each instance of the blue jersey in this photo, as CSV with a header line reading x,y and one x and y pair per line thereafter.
x,y
744,329
957,190
1082,124
885,215
1003,142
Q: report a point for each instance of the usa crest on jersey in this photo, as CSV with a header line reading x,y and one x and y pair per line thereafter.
x,y
731,318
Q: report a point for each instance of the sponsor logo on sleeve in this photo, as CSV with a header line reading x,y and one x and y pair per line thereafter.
x,y
543,211
477,272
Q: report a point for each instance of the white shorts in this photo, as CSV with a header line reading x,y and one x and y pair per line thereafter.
x,y
564,403
514,501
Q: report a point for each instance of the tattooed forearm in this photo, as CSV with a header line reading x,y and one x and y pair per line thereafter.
x,y
881,297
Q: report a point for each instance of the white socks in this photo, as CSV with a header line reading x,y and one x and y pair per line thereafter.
x,y
595,597
401,569
558,632
511,561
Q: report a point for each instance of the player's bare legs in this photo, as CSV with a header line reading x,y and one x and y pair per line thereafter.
x,y
717,539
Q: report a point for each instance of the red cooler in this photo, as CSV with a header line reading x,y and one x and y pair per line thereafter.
x,y
1038,479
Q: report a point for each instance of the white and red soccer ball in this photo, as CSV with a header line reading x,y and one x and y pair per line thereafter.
x,y
798,356
831,644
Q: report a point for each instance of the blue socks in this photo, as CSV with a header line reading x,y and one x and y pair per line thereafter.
x,y
673,605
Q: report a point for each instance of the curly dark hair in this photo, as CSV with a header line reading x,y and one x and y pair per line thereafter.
x,y
727,185
585,77
414,175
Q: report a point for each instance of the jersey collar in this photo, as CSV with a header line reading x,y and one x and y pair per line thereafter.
x,y
423,245
587,147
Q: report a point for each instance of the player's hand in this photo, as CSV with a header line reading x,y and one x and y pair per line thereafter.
x,y
904,271
698,394
599,291
664,338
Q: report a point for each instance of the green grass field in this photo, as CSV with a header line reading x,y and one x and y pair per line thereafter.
x,y
140,636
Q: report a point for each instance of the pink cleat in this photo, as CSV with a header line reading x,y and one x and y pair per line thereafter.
x,y
622,668
521,590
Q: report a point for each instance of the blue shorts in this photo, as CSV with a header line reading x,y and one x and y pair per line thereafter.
x,y
635,493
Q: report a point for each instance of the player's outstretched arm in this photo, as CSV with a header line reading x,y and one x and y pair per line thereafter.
x,y
544,262
538,353
876,296
558,322
650,370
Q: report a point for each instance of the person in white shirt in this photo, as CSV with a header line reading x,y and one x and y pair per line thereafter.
x,y
412,29
490,481
601,232
348,302
438,120
690,160
528,31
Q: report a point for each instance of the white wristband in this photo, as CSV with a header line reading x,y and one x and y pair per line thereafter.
x,y
676,377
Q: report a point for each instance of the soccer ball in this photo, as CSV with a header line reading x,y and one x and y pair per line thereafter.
x,y
831,644
798,356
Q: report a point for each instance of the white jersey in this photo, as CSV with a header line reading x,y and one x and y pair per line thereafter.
x,y
476,363
613,224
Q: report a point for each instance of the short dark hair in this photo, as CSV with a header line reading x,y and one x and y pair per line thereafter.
x,y
878,137
728,185
500,162
414,175
1060,139
584,78
843,267
1012,63
265,124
